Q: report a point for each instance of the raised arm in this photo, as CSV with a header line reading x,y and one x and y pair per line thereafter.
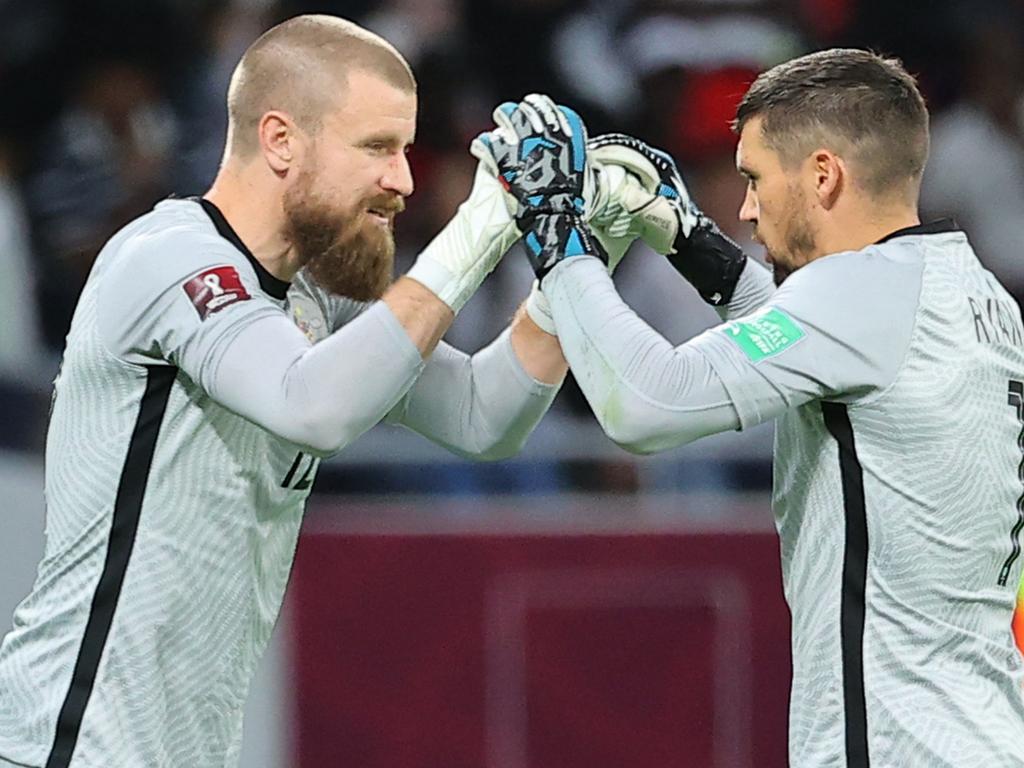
x,y
812,341
249,356
484,406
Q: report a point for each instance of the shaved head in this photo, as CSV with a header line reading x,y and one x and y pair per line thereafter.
x,y
301,68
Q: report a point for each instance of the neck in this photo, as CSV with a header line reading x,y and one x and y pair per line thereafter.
x,y
254,209
862,229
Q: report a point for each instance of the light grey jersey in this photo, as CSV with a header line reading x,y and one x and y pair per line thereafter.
x,y
172,518
897,377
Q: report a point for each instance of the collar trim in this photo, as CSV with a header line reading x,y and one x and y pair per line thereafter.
x,y
271,285
931,228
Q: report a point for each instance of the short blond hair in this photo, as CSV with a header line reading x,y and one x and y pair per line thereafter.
x,y
300,67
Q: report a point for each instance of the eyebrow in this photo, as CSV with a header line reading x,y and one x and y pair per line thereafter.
x,y
390,139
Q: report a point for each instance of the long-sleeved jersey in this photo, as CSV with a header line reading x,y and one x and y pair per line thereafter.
x,y
196,396
896,375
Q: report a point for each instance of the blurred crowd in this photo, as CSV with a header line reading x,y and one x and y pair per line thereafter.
x,y
111,105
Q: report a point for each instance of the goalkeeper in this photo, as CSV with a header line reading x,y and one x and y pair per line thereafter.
x,y
220,348
893,363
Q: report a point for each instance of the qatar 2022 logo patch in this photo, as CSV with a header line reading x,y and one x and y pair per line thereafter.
x,y
764,334
214,289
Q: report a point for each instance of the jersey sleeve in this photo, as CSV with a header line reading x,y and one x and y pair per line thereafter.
x,y
838,329
482,406
177,298
194,303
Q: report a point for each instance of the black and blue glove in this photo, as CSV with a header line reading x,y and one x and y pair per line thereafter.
x,y
668,220
540,151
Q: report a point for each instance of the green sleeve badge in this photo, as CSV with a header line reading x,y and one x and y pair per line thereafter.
x,y
764,334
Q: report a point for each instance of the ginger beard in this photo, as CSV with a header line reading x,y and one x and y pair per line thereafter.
x,y
347,253
799,241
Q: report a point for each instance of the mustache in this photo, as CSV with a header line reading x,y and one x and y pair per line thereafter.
x,y
386,203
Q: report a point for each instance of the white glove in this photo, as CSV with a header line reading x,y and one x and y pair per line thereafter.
x,y
618,195
668,219
470,246
658,203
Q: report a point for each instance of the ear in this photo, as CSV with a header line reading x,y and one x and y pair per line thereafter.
x,y
280,142
829,177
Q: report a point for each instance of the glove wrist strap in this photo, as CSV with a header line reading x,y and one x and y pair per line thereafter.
x,y
710,261
552,238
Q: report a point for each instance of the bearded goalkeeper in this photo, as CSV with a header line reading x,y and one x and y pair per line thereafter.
x,y
222,346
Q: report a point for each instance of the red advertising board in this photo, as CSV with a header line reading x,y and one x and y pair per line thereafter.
x,y
539,650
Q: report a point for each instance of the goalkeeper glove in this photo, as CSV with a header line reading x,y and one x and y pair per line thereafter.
x,y
539,151
668,220
470,246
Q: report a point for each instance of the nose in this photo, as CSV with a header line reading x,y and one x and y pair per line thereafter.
x,y
398,176
749,210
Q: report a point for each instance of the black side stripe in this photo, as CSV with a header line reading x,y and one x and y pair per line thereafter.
x,y
855,574
127,507
1015,397
291,472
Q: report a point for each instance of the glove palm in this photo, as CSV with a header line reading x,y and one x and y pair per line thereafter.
x,y
668,220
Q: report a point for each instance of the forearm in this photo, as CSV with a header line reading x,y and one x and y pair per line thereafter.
x,y
537,351
321,397
646,394
423,316
481,407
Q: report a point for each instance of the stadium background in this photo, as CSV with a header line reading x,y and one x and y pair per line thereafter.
x,y
576,606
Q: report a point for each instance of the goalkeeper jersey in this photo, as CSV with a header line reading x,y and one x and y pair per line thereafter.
x,y
160,503
899,501
172,519
896,375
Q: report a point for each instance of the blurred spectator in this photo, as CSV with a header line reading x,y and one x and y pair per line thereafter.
x,y
976,170
668,50
588,58
28,29
512,44
698,132
105,160
226,30
20,343
139,76
418,28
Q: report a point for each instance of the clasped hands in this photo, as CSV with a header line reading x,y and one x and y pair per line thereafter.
x,y
572,196
540,179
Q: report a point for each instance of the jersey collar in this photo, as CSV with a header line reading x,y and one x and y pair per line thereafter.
x,y
270,284
931,228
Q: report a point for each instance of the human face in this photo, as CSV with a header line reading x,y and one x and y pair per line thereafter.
x,y
340,209
776,204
